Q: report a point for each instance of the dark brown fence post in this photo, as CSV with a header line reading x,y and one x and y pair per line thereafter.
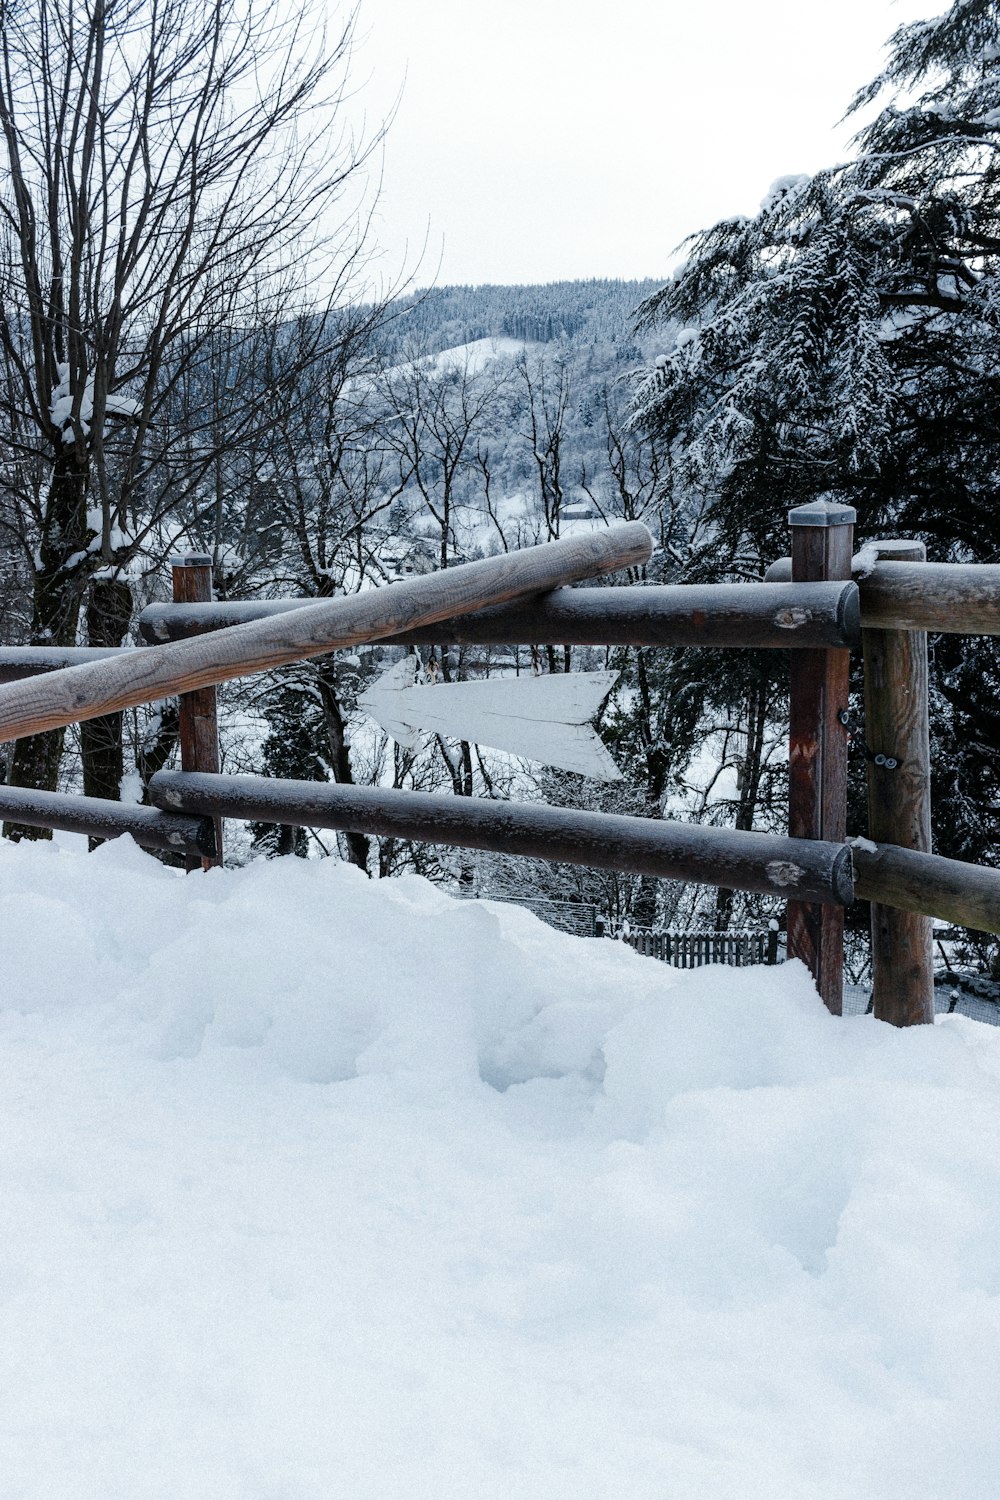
x,y
822,544
199,730
899,802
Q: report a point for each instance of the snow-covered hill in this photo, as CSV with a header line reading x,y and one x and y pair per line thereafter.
x,y
475,356
315,1187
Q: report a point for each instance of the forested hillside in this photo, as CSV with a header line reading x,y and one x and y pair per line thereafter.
x,y
581,312
451,424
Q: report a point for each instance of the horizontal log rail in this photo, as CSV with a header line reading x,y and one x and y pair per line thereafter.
x,y
100,819
719,614
776,866
944,598
967,895
107,686
18,662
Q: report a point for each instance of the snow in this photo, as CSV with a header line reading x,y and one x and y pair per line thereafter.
x,y
546,719
130,788
61,405
469,359
319,1187
474,357
790,186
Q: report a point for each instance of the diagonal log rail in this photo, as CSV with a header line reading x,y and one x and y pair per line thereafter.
x,y
101,687
719,614
810,869
101,819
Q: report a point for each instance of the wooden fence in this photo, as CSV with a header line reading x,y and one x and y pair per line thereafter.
x,y
820,604
688,948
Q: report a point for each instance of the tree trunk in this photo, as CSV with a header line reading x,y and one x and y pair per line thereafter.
x,y
55,615
753,766
657,760
109,612
358,844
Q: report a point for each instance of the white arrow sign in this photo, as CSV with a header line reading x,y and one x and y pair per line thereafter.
x,y
541,718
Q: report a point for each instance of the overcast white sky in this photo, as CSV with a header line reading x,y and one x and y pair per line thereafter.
x,y
538,140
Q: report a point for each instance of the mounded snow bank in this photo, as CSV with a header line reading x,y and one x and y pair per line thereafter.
x,y
318,1188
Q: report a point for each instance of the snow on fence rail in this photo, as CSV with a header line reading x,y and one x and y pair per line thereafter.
x,y
812,604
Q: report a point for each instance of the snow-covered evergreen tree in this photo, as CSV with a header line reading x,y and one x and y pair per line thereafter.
x,y
844,341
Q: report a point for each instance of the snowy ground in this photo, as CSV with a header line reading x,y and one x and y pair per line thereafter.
x,y
321,1189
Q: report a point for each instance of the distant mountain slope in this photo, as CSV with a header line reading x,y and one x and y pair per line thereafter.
x,y
581,312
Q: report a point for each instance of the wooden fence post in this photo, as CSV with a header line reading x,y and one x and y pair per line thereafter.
x,y
897,729
822,544
199,730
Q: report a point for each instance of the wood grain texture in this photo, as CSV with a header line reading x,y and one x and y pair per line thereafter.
x,y
968,895
817,757
84,692
107,820
669,851
897,726
723,614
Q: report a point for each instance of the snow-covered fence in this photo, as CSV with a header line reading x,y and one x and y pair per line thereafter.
x,y
192,836
815,605
690,948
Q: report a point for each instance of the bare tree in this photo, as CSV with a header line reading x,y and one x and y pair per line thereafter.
x,y
322,481
632,483
437,417
438,420
546,384
171,175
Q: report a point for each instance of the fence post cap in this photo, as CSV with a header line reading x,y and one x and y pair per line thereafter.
x,y
897,549
190,560
822,513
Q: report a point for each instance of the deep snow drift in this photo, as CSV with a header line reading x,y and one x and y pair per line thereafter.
x,y
321,1189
